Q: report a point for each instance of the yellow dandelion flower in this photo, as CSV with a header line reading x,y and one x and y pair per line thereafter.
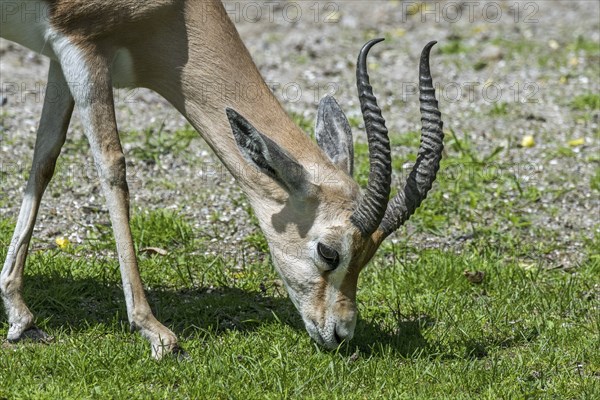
x,y
62,242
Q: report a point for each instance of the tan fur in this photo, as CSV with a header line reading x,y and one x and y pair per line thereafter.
x,y
190,53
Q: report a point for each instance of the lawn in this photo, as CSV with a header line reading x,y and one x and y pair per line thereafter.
x,y
428,328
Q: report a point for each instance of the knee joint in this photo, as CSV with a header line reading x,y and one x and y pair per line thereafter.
x,y
8,285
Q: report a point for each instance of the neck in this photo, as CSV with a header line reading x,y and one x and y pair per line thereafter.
x,y
209,69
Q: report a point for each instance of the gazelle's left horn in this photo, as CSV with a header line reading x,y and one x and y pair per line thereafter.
x,y
421,178
372,206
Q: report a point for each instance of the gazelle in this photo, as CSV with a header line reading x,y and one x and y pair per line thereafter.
x,y
321,228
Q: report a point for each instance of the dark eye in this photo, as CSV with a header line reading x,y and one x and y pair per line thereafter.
x,y
329,255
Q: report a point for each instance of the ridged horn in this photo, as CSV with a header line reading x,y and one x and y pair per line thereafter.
x,y
422,176
372,206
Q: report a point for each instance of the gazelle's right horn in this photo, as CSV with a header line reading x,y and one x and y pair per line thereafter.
x,y
421,178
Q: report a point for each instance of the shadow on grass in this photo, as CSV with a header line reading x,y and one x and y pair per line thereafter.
x,y
76,304
404,339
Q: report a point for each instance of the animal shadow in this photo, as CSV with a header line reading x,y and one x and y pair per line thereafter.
x,y
75,304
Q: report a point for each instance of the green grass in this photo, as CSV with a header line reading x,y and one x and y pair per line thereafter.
x,y
589,101
153,143
303,123
454,46
595,180
499,109
425,331
586,45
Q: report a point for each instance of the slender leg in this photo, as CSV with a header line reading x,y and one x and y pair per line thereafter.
x,y
89,76
51,134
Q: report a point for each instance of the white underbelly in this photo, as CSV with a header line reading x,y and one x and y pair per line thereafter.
x,y
27,23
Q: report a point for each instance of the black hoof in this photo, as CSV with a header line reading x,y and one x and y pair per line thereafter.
x,y
180,354
34,334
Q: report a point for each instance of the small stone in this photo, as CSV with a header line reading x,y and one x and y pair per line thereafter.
x,y
492,53
354,357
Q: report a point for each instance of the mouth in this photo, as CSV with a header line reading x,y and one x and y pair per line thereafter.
x,y
334,341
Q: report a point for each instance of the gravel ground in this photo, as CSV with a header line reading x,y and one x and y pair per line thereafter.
x,y
518,55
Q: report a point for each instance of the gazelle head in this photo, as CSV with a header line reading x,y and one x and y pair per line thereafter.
x,y
327,229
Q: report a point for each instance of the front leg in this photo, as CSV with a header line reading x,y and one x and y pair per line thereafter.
x,y
88,72
51,135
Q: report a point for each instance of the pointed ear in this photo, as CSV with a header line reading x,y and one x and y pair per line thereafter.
x,y
269,157
334,135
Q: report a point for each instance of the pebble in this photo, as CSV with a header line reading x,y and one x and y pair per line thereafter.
x,y
492,53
